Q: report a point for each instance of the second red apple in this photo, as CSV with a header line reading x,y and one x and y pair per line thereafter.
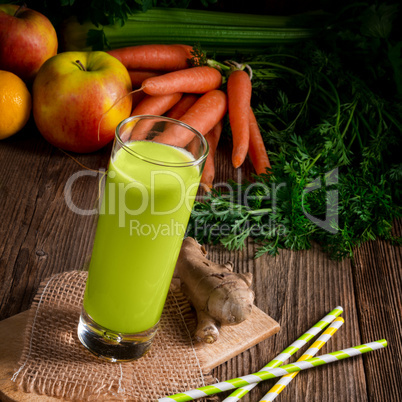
x,y
27,40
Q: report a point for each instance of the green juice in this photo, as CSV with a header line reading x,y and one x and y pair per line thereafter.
x,y
142,222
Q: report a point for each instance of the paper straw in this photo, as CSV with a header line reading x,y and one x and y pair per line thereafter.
x,y
312,351
275,372
289,351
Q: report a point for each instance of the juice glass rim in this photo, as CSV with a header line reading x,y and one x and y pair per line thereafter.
x,y
194,162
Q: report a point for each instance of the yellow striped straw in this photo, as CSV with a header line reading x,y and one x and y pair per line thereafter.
x,y
312,351
275,372
237,394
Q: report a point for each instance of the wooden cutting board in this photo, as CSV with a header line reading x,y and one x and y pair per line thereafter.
x,y
232,341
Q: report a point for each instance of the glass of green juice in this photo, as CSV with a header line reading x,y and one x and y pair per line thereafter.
x,y
152,180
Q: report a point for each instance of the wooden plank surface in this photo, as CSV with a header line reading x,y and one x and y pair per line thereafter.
x,y
298,289
40,236
377,275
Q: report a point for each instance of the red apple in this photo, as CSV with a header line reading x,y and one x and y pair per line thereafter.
x,y
27,40
73,95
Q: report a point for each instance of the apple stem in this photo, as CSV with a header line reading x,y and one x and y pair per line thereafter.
x,y
22,6
80,65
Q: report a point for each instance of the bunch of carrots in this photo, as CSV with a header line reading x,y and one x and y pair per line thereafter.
x,y
166,83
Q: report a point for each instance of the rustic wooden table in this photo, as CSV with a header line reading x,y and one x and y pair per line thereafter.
x,y
40,236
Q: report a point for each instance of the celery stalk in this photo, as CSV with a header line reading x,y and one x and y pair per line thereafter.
x,y
222,32
204,17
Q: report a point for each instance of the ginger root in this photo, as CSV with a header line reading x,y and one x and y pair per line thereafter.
x,y
219,295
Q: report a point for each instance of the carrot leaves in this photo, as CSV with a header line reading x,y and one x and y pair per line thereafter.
x,y
330,115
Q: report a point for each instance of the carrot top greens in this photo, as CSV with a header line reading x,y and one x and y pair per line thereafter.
x,y
331,121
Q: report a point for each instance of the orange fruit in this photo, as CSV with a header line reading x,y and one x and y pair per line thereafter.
x,y
15,104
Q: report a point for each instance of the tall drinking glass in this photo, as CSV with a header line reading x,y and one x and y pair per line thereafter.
x,y
152,180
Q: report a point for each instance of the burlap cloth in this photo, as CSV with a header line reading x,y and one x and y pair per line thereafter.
x,y
54,362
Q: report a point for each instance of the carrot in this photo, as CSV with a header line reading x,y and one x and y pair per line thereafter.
x,y
154,57
138,76
156,105
239,97
209,109
257,151
190,80
181,107
212,138
137,97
